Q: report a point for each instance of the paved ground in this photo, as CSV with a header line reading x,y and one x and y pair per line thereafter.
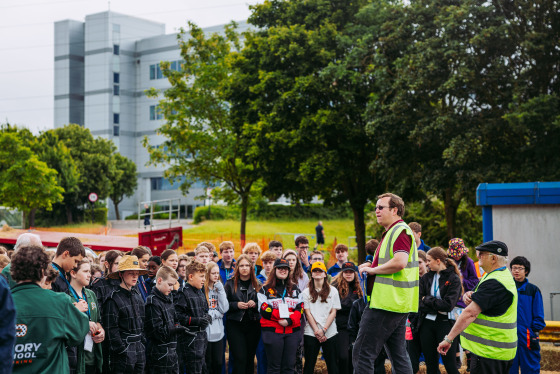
x,y
130,227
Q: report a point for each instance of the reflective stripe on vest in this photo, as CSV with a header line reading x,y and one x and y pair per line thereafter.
x,y
396,292
494,337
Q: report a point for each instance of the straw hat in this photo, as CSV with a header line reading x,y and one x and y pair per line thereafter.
x,y
128,263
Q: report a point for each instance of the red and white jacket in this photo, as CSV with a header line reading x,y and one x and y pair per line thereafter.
x,y
269,300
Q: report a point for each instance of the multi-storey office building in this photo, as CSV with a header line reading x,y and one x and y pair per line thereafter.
x,y
102,68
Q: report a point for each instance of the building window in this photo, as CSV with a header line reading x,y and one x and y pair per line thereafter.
x,y
155,72
116,118
116,130
116,78
116,49
155,113
116,90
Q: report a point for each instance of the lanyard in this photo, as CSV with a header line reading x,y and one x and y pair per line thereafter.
x,y
143,283
72,289
363,281
61,274
436,283
283,294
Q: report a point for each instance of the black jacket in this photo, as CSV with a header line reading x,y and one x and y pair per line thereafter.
x,y
449,288
123,319
343,314
355,317
242,294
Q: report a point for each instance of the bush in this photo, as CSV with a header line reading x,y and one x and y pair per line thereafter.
x,y
99,215
265,211
431,215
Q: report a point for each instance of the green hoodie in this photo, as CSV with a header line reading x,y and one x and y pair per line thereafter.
x,y
46,322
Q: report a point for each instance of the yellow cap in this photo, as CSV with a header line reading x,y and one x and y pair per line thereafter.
x,y
318,265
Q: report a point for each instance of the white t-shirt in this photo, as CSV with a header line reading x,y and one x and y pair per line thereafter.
x,y
320,311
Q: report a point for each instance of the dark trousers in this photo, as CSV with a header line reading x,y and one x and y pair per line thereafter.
x,y
262,362
431,334
343,352
414,349
483,365
378,328
214,360
280,351
243,338
311,346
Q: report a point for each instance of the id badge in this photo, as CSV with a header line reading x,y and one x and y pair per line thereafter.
x,y
284,311
88,342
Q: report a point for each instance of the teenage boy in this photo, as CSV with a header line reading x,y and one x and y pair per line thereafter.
x,y
143,254
253,250
202,254
302,247
276,247
69,253
417,232
192,312
317,256
161,327
123,319
227,263
341,253
267,260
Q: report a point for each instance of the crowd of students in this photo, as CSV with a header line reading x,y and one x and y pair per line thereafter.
x,y
138,313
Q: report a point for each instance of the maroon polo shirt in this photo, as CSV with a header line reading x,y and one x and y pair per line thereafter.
x,y
402,244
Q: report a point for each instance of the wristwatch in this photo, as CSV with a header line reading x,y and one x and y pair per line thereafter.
x,y
447,339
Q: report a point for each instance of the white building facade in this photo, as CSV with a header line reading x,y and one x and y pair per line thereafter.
x,y
103,67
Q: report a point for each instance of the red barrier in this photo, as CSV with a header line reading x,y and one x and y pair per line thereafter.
x,y
160,240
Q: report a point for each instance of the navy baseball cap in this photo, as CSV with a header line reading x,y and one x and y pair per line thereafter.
x,y
494,246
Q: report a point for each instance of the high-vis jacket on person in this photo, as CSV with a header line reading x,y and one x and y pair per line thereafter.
x,y
46,322
494,337
397,292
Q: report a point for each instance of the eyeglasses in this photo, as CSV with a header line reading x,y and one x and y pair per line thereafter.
x,y
381,207
316,270
517,268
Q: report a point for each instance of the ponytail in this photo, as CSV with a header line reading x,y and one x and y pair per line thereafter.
x,y
438,253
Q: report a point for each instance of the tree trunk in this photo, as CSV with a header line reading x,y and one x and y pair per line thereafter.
x,y
69,214
23,220
244,206
32,217
451,206
117,214
360,229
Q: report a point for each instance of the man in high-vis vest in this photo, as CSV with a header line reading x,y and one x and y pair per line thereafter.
x,y
488,325
394,293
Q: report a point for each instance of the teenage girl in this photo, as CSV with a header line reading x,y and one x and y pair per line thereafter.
x,y
218,306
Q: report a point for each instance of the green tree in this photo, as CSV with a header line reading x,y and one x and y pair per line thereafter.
x,y
301,86
27,182
204,141
57,156
94,160
123,182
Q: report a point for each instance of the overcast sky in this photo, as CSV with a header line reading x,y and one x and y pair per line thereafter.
x,y
27,44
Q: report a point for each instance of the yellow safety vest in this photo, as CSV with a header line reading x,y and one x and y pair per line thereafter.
x,y
396,292
494,337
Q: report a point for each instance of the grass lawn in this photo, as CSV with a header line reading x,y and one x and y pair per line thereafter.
x,y
264,231
341,229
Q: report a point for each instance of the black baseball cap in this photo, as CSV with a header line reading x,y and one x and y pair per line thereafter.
x,y
281,263
494,246
349,266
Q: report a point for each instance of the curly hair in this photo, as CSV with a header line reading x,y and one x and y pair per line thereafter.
x,y
29,263
343,287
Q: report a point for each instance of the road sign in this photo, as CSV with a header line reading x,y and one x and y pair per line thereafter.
x,y
92,197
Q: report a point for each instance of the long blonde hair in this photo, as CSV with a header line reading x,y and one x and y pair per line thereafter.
x,y
209,267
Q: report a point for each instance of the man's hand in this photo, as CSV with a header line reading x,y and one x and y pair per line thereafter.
x,y
443,347
92,328
303,255
467,297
